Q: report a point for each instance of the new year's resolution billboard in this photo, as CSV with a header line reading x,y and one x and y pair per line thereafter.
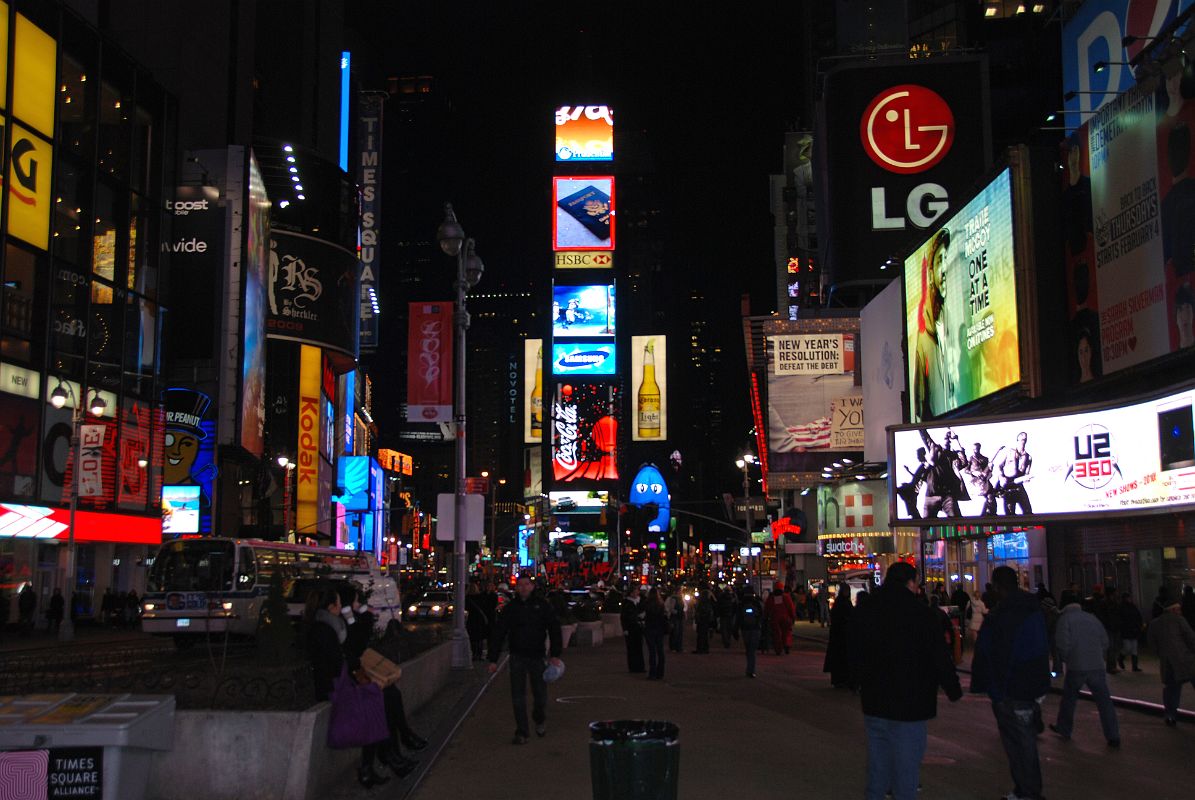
x,y
961,306
1107,459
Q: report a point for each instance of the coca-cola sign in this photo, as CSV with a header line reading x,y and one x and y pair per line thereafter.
x,y
585,432
429,362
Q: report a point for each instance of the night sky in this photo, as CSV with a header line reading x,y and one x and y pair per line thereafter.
x,y
713,94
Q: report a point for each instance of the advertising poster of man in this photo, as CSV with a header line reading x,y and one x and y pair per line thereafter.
x,y
1126,458
961,306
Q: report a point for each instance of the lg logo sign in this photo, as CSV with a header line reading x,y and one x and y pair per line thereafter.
x,y
906,130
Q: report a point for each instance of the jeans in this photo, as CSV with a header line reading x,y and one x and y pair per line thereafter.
x,y
894,753
703,636
634,640
1172,693
522,669
1097,681
727,626
655,654
1016,720
751,640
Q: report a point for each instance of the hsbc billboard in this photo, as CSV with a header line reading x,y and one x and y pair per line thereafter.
x,y
897,143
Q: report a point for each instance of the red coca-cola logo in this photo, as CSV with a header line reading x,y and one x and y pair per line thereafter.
x,y
907,129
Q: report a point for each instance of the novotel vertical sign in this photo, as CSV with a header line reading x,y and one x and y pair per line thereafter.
x,y
307,452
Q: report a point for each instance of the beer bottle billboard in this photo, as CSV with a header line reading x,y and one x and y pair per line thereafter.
x,y
650,389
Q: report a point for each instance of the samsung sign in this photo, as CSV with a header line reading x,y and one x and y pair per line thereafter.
x,y
1094,460
583,358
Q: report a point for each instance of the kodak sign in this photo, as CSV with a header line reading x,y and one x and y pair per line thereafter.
x,y
307,454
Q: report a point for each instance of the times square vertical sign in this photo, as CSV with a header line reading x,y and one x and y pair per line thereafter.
x,y
369,178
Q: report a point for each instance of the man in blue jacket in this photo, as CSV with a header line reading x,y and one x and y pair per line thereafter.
x,y
1012,665
899,660
526,621
1082,642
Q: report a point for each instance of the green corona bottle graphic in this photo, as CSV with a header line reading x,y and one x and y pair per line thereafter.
x,y
648,399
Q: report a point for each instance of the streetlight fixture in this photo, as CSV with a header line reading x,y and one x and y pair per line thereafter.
x,y
63,392
743,463
454,243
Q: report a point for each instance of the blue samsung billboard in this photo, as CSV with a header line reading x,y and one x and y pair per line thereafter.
x,y
583,358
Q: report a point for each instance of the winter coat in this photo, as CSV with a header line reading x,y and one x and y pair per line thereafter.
x,y
631,615
1012,653
780,610
1173,639
525,624
750,614
899,657
1130,621
326,652
837,661
1080,639
655,619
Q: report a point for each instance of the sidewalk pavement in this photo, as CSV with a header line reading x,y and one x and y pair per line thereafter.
x,y
1136,687
13,641
785,733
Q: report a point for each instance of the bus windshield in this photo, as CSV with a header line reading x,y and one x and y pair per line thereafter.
x,y
193,565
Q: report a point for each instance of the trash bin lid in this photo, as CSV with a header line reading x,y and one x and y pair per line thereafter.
x,y
613,730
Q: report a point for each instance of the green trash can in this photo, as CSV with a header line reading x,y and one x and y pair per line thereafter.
x,y
634,759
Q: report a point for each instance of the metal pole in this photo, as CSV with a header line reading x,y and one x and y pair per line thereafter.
x,y
66,631
461,653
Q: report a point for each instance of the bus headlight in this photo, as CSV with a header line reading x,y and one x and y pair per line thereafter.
x,y
411,609
148,606
227,605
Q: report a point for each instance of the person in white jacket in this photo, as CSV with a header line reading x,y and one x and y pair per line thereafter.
x,y
1081,642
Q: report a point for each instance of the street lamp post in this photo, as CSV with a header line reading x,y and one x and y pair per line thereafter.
x,y
742,464
58,398
453,242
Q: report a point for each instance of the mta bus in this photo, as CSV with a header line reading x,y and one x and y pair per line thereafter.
x,y
198,587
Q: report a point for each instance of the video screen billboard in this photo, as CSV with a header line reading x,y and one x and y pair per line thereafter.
x,y
583,213
533,391
584,133
961,306
585,432
180,509
577,501
583,358
650,387
1129,237
582,311
1118,459
253,364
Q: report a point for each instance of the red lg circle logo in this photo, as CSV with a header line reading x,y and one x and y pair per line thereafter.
x,y
907,129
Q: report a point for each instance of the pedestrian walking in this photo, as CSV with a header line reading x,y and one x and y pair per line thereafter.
x,y
705,619
727,607
477,621
813,608
781,614
57,607
962,601
631,616
524,623
26,607
1131,625
748,623
1161,602
1188,605
674,607
1051,612
1112,626
655,630
837,661
899,660
1173,639
1012,666
765,631
1082,642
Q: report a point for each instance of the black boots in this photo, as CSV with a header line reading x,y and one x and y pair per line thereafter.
x,y
413,742
368,778
1136,666
398,764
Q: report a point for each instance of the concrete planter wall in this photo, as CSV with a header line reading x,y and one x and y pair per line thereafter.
x,y
283,755
589,634
612,626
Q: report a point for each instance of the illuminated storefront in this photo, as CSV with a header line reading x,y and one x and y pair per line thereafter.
x,y
80,263
854,534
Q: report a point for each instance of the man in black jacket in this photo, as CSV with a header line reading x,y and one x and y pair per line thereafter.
x,y
632,615
899,658
525,622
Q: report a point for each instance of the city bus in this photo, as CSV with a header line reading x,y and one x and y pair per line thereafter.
x,y
203,586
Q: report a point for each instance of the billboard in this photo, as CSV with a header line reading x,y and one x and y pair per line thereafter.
x,y
584,259
585,432
584,133
180,509
429,362
852,507
961,306
313,292
808,354
569,501
583,213
812,412
897,143
189,455
881,335
650,388
533,391
195,253
1098,459
253,363
583,358
579,311
1095,33
307,450
1127,213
